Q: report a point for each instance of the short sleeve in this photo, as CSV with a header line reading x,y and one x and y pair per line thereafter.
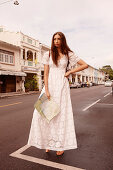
x,y
45,58
73,59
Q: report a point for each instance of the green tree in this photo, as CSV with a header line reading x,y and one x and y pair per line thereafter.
x,y
108,70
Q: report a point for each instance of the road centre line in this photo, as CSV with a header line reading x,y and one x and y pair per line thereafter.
x,y
17,154
10,104
107,94
91,105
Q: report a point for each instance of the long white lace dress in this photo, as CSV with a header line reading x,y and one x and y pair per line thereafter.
x,y
59,134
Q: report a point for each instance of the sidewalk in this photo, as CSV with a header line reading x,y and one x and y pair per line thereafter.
x,y
11,94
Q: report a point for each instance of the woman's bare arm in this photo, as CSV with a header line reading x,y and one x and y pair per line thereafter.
x,y
46,74
82,66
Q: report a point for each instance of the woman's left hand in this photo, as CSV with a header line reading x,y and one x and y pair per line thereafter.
x,y
67,74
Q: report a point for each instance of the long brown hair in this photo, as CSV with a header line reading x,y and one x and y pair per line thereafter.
x,y
64,48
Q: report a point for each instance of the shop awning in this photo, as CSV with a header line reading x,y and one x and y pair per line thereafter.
x,y
13,73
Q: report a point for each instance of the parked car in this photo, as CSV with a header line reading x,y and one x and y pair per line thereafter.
x,y
108,83
78,85
90,84
94,84
75,85
83,84
102,83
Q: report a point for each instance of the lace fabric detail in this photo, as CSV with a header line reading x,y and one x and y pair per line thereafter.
x,y
45,58
59,134
73,59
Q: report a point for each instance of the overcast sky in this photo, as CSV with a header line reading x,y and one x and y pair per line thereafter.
x,y
87,25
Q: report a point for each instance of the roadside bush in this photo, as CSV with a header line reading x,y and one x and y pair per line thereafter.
x,y
32,84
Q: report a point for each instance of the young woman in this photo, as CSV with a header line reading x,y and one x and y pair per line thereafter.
x,y
59,134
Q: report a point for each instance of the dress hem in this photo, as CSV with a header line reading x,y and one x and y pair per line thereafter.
x,y
54,149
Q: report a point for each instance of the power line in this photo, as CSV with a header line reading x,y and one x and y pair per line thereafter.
x,y
5,2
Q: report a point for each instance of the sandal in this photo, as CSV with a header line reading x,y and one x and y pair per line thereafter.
x,y
47,150
58,153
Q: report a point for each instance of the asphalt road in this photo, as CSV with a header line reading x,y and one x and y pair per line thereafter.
x,y
93,117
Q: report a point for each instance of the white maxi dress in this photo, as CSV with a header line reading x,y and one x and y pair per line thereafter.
x,y
59,134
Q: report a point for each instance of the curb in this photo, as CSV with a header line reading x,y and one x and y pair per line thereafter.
x,y
5,95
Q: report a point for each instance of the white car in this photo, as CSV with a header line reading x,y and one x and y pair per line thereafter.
x,y
78,85
108,83
90,84
75,85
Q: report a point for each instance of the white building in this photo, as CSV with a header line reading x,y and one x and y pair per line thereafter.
x,y
20,57
11,76
90,74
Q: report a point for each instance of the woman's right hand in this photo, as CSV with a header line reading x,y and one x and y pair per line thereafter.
x,y
48,94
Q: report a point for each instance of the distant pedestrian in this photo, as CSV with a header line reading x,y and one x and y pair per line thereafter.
x,y
87,84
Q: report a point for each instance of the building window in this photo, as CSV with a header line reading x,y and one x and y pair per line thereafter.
x,y
1,57
11,59
30,55
6,57
29,40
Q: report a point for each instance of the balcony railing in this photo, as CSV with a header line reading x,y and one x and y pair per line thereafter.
x,y
29,63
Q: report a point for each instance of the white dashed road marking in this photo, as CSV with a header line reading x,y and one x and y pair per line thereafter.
x,y
91,105
18,154
96,102
107,94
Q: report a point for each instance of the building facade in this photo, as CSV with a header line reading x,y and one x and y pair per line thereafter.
x,y
90,74
20,62
11,76
20,58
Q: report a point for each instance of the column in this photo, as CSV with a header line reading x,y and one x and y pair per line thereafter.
x,y
76,78
38,57
25,54
22,85
39,80
81,78
33,64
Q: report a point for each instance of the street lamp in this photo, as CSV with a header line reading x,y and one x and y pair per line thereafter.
x,y
16,3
